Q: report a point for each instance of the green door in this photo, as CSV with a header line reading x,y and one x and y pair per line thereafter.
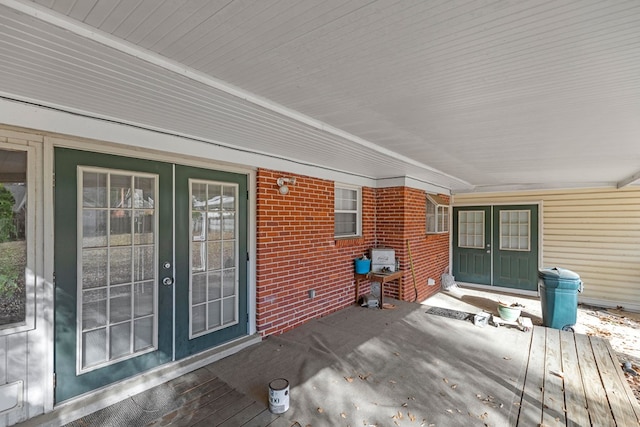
x,y
472,244
131,258
496,245
515,256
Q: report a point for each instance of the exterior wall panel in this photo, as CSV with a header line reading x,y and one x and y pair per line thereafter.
x,y
594,232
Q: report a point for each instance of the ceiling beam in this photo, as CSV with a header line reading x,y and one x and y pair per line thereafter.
x,y
629,180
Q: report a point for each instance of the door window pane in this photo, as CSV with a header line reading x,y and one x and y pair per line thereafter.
x,y
514,230
13,236
214,252
119,267
471,229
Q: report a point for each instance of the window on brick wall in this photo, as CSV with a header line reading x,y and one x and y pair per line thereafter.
x,y
437,214
348,211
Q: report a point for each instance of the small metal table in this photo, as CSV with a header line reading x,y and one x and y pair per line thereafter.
x,y
381,278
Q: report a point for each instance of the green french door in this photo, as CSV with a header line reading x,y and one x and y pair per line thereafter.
x,y
472,244
148,265
496,245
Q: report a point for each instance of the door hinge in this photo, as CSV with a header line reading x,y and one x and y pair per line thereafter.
x,y
247,317
247,256
55,380
247,194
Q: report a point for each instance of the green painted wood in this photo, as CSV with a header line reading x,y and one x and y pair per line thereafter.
x,y
65,264
185,346
514,268
472,265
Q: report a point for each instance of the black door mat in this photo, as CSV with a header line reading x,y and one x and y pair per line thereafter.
x,y
451,314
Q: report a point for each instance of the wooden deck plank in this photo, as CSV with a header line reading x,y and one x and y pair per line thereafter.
x,y
190,380
219,410
246,415
531,402
264,418
619,402
633,401
574,398
599,410
553,396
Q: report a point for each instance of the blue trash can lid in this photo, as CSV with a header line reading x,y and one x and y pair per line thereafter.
x,y
558,273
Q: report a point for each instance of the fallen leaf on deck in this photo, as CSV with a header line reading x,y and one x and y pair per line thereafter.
x,y
404,405
411,416
343,415
450,411
349,379
506,358
392,382
454,386
558,374
320,410
445,380
396,353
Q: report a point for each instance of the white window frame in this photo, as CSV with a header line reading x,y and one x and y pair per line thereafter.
x,y
484,237
358,211
441,211
33,178
528,248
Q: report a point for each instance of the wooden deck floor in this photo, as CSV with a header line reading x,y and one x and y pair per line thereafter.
x,y
575,380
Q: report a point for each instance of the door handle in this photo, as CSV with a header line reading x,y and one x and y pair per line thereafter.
x,y
167,281
488,252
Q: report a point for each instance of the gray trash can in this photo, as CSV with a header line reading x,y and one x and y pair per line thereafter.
x,y
559,289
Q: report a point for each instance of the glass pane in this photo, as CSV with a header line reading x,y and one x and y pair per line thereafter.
x,y
94,347
143,334
229,254
94,268
120,228
198,197
199,288
214,226
144,193
214,256
13,238
215,197
228,310
120,340
215,286
345,224
143,299
94,228
198,318
198,226
346,200
213,320
198,256
229,282
524,243
144,263
120,191
120,304
228,225
94,309
94,190
229,198
120,266
143,227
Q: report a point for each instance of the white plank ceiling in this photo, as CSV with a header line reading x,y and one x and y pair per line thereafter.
x,y
467,95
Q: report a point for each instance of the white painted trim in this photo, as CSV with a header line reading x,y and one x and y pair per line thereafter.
x,y
628,180
48,290
499,289
91,33
252,223
99,399
502,188
359,212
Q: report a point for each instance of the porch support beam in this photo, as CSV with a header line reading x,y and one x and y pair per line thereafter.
x,y
629,180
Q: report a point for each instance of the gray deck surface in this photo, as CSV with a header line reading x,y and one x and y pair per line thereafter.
x,y
398,367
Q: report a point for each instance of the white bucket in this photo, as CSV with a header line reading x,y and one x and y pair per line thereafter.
x,y
279,396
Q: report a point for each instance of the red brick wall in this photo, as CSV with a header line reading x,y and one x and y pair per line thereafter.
x,y
297,251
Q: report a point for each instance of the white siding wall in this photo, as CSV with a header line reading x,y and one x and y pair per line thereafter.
x,y
594,232
25,351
